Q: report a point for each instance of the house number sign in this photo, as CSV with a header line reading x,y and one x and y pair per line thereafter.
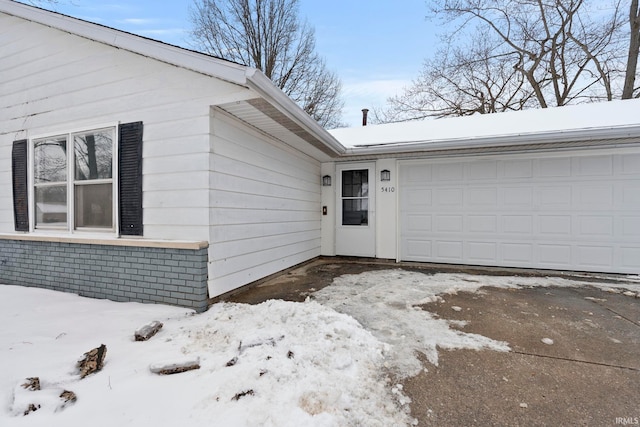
x,y
388,189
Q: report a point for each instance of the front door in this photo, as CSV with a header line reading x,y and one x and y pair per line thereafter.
x,y
355,210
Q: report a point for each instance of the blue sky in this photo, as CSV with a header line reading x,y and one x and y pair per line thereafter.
x,y
376,47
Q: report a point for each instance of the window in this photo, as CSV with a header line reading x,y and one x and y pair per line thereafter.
x,y
355,197
68,181
73,181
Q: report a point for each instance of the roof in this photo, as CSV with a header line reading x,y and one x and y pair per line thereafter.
x,y
573,123
266,107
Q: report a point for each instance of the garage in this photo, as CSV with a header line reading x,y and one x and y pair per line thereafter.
x,y
563,210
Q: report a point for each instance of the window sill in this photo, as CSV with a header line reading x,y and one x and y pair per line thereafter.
x,y
110,241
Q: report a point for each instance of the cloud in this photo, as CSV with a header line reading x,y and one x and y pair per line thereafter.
x,y
137,21
163,32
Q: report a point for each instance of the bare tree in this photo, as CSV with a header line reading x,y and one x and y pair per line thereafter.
x,y
634,48
269,35
565,48
460,81
534,53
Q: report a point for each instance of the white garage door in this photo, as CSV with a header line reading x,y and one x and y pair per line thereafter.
x,y
571,211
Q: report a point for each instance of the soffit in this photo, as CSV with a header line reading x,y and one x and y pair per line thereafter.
x,y
264,117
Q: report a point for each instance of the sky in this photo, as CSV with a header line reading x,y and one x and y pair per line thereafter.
x,y
375,47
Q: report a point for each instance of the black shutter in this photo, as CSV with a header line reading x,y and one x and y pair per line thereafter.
x,y
20,190
130,180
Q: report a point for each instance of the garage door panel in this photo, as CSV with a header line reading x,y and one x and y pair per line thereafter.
x,y
482,198
482,252
517,253
631,164
595,197
448,250
575,211
555,197
418,250
419,197
554,167
517,224
630,258
594,256
556,225
482,170
631,196
448,172
521,197
631,226
518,169
449,223
418,223
418,174
596,226
449,197
556,255
482,223
594,166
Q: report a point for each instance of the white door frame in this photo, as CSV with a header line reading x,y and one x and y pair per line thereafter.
x,y
360,239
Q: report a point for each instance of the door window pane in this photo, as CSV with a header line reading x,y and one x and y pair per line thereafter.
x,y
50,160
93,154
51,206
93,206
355,212
355,183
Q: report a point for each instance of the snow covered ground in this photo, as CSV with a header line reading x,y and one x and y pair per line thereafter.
x,y
329,361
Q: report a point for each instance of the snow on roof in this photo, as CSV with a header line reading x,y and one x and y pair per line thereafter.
x,y
616,116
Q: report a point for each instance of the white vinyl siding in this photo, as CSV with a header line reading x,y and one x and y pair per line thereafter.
x,y
53,81
265,206
569,211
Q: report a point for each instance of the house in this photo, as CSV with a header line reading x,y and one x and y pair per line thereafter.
x,y
139,171
555,188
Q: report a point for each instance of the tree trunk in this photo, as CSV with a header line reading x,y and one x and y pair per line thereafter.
x,y
91,157
634,48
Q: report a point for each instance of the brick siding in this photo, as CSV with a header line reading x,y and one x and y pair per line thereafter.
x,y
119,273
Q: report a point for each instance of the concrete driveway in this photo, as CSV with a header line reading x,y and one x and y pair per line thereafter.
x,y
574,359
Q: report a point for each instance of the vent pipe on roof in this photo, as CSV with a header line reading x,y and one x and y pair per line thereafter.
x,y
365,111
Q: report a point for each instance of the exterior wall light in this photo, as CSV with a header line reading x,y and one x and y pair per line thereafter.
x,y
385,175
326,181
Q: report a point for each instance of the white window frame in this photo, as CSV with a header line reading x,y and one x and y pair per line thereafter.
x,y
71,183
